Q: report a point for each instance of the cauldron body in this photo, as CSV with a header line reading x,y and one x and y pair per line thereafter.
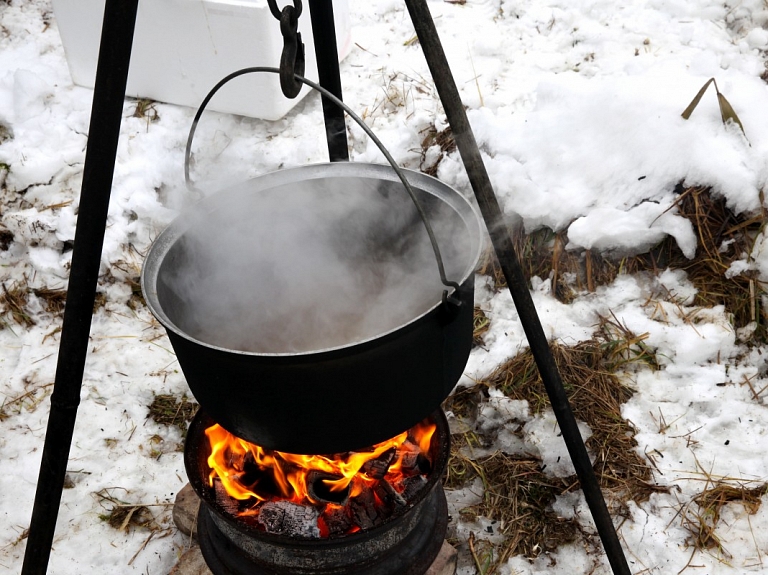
x,y
341,381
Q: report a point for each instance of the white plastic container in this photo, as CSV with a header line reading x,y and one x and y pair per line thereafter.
x,y
182,48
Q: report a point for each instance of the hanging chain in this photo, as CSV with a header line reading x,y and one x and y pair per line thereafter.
x,y
292,58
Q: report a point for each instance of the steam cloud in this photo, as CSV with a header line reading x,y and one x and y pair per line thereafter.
x,y
309,266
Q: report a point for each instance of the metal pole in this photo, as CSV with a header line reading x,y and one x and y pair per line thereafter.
x,y
501,239
324,35
103,133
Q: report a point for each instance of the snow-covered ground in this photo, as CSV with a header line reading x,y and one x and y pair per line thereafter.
x,y
577,108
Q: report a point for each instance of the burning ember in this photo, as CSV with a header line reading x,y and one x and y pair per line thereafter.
x,y
316,495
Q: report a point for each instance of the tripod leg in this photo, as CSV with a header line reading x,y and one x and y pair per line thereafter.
x,y
501,239
103,134
324,34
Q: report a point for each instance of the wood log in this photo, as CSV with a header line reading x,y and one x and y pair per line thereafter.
x,y
320,492
337,519
409,453
410,486
377,468
363,510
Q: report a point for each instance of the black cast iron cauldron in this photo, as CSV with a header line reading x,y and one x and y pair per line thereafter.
x,y
306,309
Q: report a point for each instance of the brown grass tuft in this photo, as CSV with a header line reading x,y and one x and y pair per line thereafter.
x,y
100,301
53,300
489,266
596,395
167,409
443,139
480,325
122,515
136,301
145,108
723,238
541,253
463,402
14,302
518,495
28,400
716,225
700,516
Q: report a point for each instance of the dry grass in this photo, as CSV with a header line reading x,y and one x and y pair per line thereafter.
x,y
122,515
145,108
53,300
168,409
5,133
723,238
716,225
136,301
588,371
541,254
463,402
519,497
99,301
480,325
28,400
14,300
444,140
701,516
517,493
489,266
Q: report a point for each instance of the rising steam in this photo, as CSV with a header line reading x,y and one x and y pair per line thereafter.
x,y
308,266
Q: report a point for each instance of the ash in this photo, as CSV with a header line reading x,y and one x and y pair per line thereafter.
x,y
292,519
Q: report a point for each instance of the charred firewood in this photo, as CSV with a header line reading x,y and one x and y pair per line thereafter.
x,y
410,486
409,457
377,468
287,518
385,503
392,493
251,471
337,519
424,464
363,510
321,492
230,505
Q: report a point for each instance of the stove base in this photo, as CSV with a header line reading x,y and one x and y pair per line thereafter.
x,y
193,563
411,556
434,555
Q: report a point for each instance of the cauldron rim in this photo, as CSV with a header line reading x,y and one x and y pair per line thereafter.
x,y
422,182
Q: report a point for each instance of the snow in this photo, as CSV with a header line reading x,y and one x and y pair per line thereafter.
x,y
577,109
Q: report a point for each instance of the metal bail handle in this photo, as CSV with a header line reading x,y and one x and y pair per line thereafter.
x,y
292,59
448,298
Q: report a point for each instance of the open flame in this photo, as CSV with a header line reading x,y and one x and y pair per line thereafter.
x,y
250,472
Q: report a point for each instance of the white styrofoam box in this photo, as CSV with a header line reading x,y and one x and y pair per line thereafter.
x,y
182,48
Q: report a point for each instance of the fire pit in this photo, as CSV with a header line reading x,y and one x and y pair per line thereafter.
x,y
309,318
388,516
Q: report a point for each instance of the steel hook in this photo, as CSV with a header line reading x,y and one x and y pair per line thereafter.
x,y
292,59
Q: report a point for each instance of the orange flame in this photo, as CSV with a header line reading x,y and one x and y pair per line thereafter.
x,y
248,471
